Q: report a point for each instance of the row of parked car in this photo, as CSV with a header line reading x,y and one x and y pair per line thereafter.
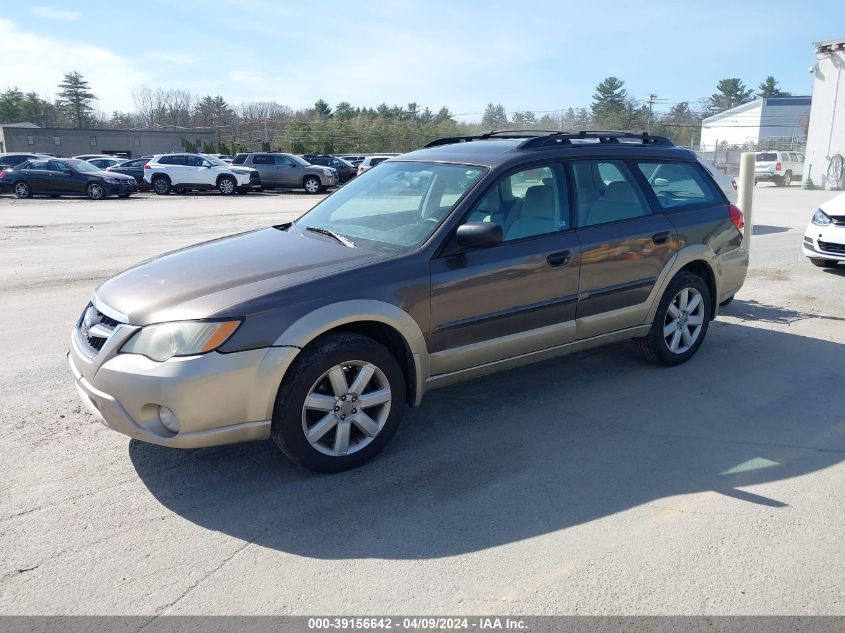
x,y
99,176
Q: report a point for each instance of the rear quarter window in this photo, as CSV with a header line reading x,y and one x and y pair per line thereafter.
x,y
680,185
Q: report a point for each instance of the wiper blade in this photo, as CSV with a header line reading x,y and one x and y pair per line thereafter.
x,y
340,238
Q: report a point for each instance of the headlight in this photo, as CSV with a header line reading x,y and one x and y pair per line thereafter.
x,y
820,218
327,171
112,181
181,338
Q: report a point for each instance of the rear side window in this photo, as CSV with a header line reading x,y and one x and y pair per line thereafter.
x,y
679,184
263,159
793,157
606,191
172,160
318,161
240,159
37,164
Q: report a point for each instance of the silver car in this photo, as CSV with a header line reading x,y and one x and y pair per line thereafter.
x,y
288,171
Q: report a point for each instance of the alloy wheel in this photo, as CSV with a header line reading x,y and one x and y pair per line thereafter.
x,y
95,191
346,408
684,320
22,190
312,185
226,186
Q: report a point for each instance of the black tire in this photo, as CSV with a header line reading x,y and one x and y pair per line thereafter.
x,y
654,345
161,185
787,179
96,191
726,302
824,263
320,356
312,184
23,190
227,185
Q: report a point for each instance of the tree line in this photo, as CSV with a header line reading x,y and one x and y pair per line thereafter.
x,y
347,128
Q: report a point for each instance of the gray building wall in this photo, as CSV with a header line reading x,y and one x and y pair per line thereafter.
x,y
71,142
826,136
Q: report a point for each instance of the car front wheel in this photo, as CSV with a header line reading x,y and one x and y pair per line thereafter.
x,y
227,185
681,321
96,191
340,403
312,184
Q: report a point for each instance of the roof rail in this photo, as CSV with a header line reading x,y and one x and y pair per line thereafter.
x,y
602,136
549,138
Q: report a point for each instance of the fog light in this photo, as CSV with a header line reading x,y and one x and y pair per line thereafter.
x,y
168,419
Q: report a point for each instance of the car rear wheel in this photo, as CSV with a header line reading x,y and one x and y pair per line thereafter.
x,y
680,325
96,191
227,185
312,184
161,185
787,179
824,263
340,403
23,190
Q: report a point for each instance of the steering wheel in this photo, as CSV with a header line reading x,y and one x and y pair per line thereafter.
x,y
430,221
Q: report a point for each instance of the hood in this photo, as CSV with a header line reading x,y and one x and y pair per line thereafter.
x,y
204,280
835,206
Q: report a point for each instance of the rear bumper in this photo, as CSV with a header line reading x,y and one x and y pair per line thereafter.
x,y
217,398
766,176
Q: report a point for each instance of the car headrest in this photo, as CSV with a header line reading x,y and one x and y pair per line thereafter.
x,y
539,203
619,192
490,203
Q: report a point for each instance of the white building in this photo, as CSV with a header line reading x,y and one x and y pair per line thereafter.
x,y
766,118
826,138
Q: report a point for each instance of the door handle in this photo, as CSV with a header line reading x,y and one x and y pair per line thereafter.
x,y
559,259
660,238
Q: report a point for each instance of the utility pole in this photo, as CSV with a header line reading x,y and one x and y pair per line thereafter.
x,y
651,99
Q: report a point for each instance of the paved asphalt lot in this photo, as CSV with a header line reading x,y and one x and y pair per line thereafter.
x,y
592,484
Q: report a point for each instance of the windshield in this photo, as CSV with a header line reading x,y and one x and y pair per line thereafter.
x,y
399,204
766,156
80,165
215,161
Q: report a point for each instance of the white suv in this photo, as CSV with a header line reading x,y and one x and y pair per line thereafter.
x,y
779,167
184,172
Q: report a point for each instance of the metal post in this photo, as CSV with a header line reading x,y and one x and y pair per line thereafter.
x,y
745,195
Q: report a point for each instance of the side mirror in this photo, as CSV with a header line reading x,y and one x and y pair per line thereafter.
x,y
479,235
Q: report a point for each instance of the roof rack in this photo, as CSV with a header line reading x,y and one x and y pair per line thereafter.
x,y
550,138
602,136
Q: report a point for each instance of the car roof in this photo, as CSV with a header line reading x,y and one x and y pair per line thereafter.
x,y
494,152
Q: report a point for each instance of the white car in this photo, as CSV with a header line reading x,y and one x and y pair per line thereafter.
x,y
779,167
726,183
184,172
371,161
824,239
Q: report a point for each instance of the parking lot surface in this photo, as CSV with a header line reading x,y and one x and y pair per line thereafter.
x,y
595,483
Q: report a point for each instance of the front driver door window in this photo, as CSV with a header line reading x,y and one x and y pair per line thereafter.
x,y
518,296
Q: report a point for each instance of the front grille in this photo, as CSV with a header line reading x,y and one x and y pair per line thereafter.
x,y
838,219
254,176
832,247
95,328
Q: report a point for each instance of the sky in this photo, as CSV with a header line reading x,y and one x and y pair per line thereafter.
x,y
539,56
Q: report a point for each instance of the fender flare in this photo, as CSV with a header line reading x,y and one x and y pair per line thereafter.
x,y
308,327
696,252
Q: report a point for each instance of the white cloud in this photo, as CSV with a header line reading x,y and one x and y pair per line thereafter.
x,y
52,13
111,76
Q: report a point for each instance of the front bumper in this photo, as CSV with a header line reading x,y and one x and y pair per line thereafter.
x,y
123,188
328,181
217,398
825,242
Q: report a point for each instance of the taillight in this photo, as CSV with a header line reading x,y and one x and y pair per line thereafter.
x,y
360,170
147,167
736,217
108,168
3,173
777,166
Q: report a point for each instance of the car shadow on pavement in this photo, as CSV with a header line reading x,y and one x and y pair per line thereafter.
x,y
765,229
749,310
536,450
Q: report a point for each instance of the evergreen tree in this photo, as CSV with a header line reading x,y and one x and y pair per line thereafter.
x,y
769,88
322,109
610,103
730,93
495,117
76,99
